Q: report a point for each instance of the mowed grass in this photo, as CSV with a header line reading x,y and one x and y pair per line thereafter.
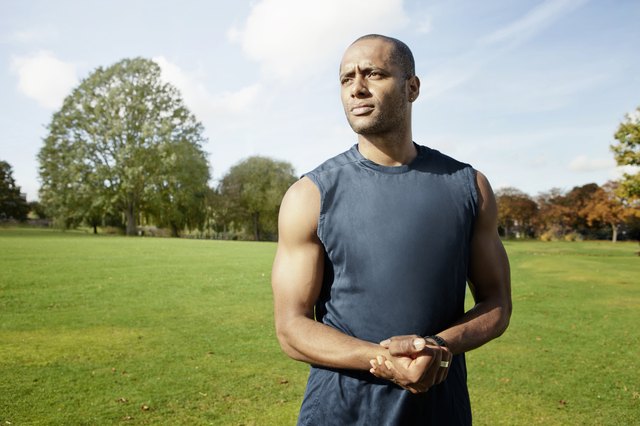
x,y
101,330
571,355
104,330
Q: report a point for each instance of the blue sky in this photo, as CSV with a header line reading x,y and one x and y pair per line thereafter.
x,y
529,92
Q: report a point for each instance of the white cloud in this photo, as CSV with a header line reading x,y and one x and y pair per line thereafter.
x,y
44,77
584,164
199,99
290,37
620,171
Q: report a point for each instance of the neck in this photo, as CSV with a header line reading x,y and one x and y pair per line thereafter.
x,y
387,150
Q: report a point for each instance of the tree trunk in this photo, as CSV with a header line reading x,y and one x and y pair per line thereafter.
x,y
95,229
614,232
174,231
256,226
132,228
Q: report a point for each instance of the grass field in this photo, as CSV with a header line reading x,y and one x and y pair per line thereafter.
x,y
103,330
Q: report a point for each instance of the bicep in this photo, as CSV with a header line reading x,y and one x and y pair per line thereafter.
x,y
489,274
298,265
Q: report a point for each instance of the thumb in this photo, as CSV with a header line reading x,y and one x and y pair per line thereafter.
x,y
407,346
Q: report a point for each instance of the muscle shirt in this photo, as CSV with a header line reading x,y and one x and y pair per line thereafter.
x,y
396,243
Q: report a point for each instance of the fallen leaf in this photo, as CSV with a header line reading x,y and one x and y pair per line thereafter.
x,y
144,407
122,400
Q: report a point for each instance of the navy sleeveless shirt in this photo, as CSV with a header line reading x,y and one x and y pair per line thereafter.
x,y
396,243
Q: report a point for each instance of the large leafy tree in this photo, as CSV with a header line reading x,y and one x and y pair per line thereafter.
x,y
254,189
12,204
627,152
124,143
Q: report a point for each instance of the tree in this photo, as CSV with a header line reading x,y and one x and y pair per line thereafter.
x,y
608,207
178,199
576,202
219,214
516,212
255,188
13,205
124,143
627,152
554,214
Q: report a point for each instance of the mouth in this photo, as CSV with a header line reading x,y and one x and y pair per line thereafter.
x,y
361,109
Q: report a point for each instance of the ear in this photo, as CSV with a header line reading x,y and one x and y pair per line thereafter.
x,y
413,88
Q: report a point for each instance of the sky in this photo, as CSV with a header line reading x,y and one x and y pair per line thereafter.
x,y
529,92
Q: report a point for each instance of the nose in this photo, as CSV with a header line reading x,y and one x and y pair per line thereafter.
x,y
359,87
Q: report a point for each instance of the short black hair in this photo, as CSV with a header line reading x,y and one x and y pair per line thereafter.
x,y
401,53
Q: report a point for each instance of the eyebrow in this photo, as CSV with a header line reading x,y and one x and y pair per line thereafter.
x,y
363,70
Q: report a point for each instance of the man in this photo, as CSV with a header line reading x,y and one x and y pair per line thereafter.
x,y
375,250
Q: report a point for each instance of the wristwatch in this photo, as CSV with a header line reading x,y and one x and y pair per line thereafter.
x,y
439,340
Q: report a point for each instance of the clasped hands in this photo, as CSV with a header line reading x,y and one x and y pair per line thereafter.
x,y
413,363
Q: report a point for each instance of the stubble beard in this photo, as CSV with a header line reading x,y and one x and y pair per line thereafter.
x,y
386,121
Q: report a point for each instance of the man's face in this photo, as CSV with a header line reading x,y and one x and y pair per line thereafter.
x,y
374,90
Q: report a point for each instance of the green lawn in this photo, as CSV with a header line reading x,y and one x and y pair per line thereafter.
x,y
104,329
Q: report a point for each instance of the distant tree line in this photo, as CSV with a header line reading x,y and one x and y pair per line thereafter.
x,y
585,212
589,211
125,153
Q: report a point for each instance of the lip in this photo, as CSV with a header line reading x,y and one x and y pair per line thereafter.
x,y
361,109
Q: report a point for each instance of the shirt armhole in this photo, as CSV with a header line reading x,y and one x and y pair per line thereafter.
x,y
313,177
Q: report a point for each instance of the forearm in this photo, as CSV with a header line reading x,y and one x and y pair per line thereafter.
x,y
484,322
307,340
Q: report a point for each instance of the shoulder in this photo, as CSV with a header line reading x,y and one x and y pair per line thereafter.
x,y
438,162
300,210
301,192
487,206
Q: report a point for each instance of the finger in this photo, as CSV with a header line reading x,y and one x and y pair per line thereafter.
x,y
431,372
381,370
443,367
449,356
406,346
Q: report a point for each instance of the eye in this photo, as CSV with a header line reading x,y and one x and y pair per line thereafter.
x,y
345,81
374,75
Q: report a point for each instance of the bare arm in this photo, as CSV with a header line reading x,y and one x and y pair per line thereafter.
x,y
490,282
296,282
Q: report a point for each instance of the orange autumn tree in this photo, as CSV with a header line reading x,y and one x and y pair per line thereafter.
x,y
516,212
608,205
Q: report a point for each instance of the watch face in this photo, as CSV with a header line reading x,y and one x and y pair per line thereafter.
x,y
439,340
